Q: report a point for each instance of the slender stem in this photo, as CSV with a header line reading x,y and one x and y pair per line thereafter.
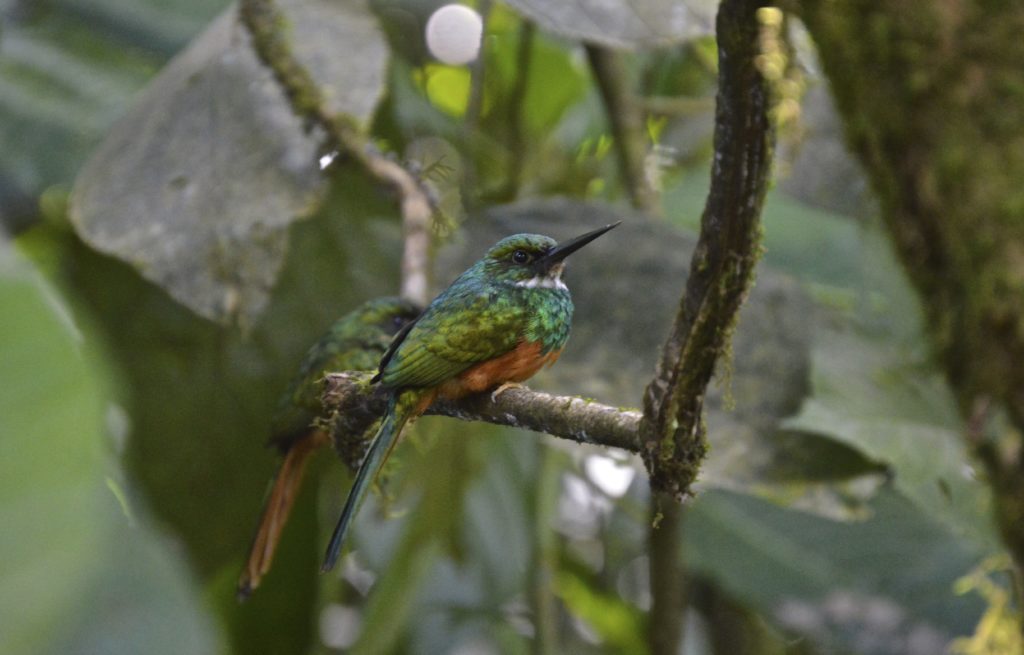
x,y
664,539
474,112
626,118
417,213
516,133
477,75
545,552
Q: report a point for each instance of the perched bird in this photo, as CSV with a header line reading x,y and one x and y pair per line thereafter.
x,y
498,323
355,342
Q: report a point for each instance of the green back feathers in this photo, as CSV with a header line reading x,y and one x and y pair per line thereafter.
x,y
355,342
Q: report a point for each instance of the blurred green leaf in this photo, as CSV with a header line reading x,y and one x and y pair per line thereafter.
x,y
51,463
867,394
555,80
873,386
881,586
77,576
619,625
814,245
143,599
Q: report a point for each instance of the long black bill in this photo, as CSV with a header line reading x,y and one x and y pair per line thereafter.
x,y
563,250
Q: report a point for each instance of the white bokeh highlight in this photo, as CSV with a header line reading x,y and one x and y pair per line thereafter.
x,y
610,475
453,34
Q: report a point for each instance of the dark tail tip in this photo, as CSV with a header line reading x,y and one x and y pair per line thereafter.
x,y
331,556
244,591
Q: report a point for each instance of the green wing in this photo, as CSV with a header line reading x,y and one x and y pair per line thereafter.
x,y
461,328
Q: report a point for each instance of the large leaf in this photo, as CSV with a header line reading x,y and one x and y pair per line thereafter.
x,y
342,47
870,396
624,23
883,586
197,185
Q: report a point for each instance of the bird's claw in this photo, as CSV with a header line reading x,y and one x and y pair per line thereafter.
x,y
505,387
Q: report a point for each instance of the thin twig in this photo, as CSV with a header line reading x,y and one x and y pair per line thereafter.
x,y
544,564
626,118
264,23
516,109
664,543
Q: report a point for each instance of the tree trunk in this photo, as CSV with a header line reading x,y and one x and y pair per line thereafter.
x,y
932,99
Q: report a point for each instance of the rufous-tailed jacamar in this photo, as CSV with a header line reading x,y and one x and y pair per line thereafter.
x,y
355,342
498,323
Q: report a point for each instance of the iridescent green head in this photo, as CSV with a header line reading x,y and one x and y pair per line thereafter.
x,y
533,260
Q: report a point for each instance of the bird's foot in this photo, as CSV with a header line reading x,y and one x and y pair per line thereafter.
x,y
505,387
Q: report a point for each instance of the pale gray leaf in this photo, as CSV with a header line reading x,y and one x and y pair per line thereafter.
x,y
624,23
197,185
342,47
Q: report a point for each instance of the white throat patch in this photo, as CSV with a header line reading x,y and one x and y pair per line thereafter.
x,y
551,281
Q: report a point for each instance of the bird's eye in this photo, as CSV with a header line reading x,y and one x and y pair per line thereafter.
x,y
520,256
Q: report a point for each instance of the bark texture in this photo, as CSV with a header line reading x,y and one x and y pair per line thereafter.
x,y
722,268
932,99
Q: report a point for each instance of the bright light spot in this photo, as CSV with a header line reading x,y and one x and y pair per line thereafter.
x,y
326,160
339,626
356,575
119,426
453,34
611,476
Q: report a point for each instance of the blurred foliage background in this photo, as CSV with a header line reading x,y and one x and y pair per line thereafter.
x,y
170,247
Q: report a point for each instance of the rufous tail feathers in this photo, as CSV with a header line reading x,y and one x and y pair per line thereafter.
x,y
276,510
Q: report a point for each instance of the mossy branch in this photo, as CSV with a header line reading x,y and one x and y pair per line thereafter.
x,y
722,269
356,405
266,25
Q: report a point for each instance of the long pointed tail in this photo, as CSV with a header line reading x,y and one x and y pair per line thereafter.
x,y
276,510
387,436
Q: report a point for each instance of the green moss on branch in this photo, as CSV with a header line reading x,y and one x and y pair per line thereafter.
x,y
722,268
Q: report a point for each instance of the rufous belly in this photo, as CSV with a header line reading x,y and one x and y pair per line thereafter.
x,y
517,365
